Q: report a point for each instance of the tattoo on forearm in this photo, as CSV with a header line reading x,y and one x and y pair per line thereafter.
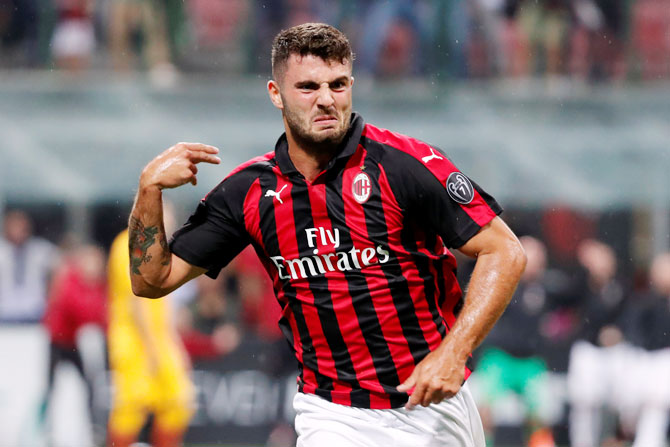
x,y
140,239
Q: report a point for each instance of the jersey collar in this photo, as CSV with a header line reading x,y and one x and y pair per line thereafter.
x,y
348,146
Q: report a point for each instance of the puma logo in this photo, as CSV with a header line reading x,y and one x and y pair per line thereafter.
x,y
275,194
431,156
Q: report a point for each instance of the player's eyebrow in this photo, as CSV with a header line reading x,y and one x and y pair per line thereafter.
x,y
306,84
340,80
314,84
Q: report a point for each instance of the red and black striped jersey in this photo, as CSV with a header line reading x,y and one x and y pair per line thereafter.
x,y
359,257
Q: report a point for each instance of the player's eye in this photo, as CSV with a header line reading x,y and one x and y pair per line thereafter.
x,y
308,86
338,85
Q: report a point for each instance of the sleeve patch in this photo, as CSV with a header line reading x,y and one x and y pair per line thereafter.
x,y
460,188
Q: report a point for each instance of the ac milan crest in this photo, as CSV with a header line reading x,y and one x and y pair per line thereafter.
x,y
361,188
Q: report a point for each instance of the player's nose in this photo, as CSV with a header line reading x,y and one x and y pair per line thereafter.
x,y
325,97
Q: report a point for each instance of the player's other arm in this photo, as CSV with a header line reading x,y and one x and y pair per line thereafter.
x,y
500,263
154,270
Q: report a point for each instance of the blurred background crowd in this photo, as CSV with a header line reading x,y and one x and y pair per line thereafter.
x,y
90,90
604,40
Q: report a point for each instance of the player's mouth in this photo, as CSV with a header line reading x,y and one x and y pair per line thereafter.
x,y
325,120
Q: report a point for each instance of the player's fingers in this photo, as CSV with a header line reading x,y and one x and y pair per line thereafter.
x,y
199,147
417,396
437,397
203,157
189,176
408,384
428,396
193,168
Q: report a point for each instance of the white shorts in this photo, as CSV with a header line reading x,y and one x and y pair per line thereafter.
x,y
453,422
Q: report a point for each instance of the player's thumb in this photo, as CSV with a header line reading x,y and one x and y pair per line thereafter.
x,y
408,384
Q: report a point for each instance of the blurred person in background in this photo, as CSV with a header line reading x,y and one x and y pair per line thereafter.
x,y
149,365
78,298
649,38
27,263
270,17
73,40
509,34
651,333
393,38
450,34
138,29
512,355
601,358
219,33
488,52
514,42
546,24
597,39
207,325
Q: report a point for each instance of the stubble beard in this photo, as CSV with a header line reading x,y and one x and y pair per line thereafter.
x,y
311,141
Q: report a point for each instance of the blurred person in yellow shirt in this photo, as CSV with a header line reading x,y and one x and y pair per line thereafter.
x,y
150,368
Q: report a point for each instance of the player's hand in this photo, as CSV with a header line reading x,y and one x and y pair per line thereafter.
x,y
177,165
437,377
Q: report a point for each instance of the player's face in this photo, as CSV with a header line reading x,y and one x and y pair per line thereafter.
x,y
315,98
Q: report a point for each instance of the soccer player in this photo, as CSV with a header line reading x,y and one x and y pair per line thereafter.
x,y
150,368
77,298
353,224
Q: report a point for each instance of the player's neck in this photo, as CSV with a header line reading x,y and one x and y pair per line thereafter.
x,y
309,161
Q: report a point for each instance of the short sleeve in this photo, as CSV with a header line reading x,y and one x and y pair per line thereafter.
x,y
433,190
214,234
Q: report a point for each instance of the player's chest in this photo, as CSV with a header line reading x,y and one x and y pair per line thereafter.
x,y
354,210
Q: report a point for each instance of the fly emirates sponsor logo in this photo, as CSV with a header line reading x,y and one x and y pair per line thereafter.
x,y
321,263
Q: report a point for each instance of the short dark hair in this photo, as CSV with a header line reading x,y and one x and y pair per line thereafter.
x,y
317,39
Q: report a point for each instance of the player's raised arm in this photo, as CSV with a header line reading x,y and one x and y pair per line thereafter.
x,y
154,271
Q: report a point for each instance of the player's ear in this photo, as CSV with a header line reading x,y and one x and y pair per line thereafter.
x,y
275,95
